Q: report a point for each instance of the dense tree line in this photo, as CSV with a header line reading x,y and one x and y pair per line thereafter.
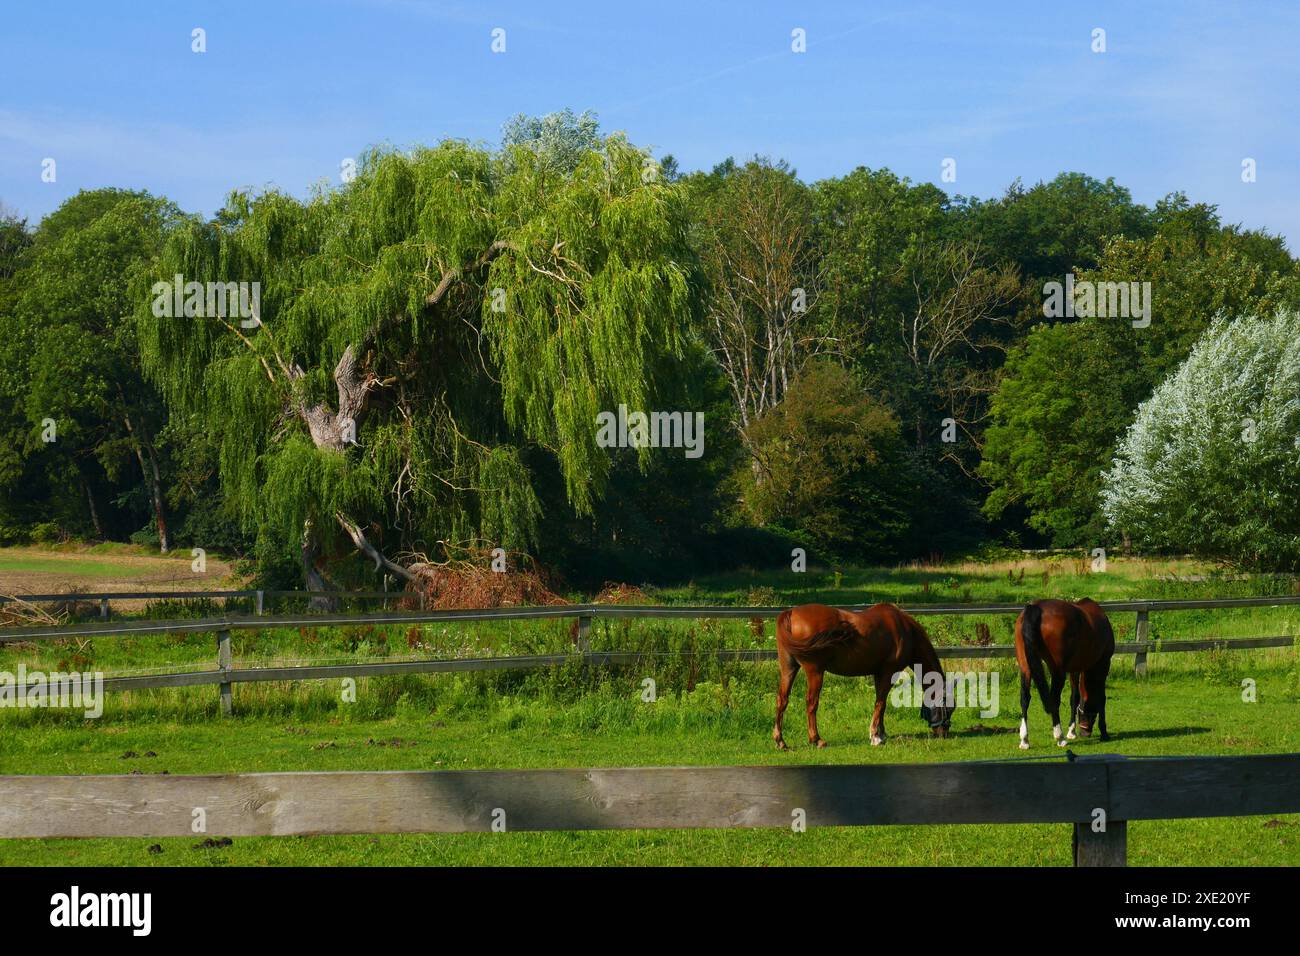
x,y
431,343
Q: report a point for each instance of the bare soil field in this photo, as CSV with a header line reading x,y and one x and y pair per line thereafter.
x,y
54,569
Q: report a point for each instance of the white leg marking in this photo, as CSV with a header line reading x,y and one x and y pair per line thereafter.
x,y
1024,734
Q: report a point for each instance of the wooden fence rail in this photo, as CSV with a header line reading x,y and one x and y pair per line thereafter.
x,y
583,612
227,675
1097,795
258,597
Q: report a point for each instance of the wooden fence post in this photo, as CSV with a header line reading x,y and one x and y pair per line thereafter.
x,y
1140,636
1108,848
260,597
584,634
103,608
223,664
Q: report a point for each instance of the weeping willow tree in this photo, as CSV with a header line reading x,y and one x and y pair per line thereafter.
x,y
421,335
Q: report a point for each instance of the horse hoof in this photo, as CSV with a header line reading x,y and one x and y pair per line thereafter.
x,y
877,741
782,745
821,743
1062,743
1024,745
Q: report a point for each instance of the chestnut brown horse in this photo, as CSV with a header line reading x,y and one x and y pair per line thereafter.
x,y
878,642
1074,638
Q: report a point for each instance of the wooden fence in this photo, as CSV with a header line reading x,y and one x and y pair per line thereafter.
x,y
227,675
1097,795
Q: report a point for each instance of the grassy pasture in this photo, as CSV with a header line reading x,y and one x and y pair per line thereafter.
x,y
705,713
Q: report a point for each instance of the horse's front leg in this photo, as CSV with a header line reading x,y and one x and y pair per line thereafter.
x,y
814,698
1074,706
883,685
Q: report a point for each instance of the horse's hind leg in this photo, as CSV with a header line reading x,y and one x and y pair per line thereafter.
x,y
1098,679
878,715
789,671
1074,706
814,698
1026,696
1054,706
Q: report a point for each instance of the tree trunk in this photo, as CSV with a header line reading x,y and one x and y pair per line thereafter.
x,y
336,430
154,483
164,539
369,550
312,575
94,512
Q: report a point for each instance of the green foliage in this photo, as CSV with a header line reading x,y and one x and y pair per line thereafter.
x,y
868,223
557,292
1066,393
68,355
15,239
1056,227
1069,391
510,510
560,140
594,328
826,465
493,302
1211,465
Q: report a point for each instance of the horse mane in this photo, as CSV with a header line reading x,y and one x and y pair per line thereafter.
x,y
923,645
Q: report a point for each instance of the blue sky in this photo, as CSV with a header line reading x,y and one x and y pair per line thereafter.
x,y
289,88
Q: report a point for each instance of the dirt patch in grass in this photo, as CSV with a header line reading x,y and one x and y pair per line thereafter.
x,y
34,570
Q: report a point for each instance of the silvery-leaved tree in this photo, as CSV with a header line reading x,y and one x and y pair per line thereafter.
x,y
1211,464
429,335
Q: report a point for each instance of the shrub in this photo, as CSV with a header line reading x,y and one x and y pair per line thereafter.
x,y
1211,464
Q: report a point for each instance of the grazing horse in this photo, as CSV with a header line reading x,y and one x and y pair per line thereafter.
x,y
880,642
1074,638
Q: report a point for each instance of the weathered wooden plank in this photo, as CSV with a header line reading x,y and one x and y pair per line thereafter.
x,y
251,622
267,804
328,672
525,613
1141,635
1106,848
387,668
1177,787
1208,644
537,661
114,685
224,665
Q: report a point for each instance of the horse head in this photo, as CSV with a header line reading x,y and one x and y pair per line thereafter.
x,y
939,719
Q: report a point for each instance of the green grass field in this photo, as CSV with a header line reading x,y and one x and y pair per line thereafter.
x,y
706,714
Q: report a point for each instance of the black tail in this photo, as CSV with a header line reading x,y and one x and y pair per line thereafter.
x,y
1031,631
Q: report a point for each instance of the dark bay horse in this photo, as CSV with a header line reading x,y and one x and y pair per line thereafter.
x,y
1074,638
878,642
